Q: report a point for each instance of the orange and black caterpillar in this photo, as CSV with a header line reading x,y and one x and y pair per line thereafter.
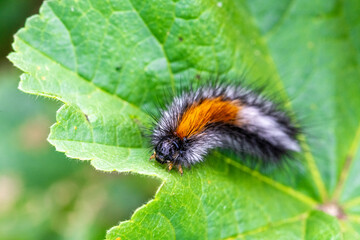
x,y
222,116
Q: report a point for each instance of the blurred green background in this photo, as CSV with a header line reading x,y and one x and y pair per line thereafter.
x,y
43,194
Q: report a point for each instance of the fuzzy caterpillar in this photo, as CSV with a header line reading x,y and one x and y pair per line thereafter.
x,y
222,116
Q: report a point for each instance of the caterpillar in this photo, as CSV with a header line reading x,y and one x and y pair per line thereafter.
x,y
222,116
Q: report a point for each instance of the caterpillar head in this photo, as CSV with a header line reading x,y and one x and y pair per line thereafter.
x,y
168,150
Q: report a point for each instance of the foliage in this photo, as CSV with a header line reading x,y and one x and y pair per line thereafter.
x,y
108,61
44,195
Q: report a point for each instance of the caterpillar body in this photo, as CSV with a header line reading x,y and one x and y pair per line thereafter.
x,y
222,116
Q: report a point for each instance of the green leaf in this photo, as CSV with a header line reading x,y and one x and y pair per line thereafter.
x,y
109,61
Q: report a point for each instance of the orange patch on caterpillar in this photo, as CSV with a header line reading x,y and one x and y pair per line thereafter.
x,y
208,111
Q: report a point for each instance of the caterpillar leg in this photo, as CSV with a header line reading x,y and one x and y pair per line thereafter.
x,y
170,166
153,156
179,167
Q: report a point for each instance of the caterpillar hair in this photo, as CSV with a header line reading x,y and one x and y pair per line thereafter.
x,y
222,116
